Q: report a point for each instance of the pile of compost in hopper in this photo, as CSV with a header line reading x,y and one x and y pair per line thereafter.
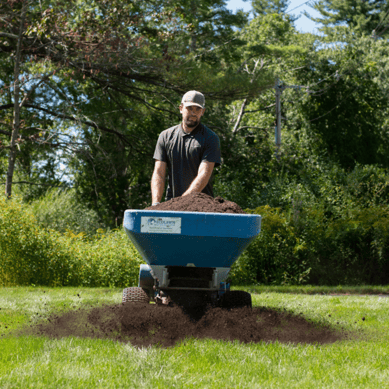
x,y
198,202
149,324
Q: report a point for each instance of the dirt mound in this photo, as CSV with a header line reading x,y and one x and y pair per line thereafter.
x,y
198,202
150,324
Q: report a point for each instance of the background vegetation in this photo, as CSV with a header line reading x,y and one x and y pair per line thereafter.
x,y
34,255
84,97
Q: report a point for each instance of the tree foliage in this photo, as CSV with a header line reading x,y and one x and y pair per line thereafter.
x,y
347,113
99,80
362,16
263,7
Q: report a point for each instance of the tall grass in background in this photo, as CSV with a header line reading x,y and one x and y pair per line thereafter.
x,y
60,210
33,255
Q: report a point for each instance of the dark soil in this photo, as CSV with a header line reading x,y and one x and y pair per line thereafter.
x,y
198,202
149,324
144,324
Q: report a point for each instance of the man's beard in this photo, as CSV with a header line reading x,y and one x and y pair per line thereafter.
x,y
192,122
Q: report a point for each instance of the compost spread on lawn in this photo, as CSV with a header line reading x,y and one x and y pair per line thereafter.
x,y
198,202
149,324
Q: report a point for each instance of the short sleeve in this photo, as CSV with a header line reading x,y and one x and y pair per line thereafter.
x,y
212,150
160,149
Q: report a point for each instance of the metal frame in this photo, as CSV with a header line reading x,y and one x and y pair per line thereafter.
x,y
161,274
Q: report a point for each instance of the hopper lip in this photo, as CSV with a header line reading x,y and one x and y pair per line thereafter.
x,y
193,213
201,224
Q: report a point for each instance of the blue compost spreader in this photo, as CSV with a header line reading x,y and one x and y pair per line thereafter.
x,y
189,256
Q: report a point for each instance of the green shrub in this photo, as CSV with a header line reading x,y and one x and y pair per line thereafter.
x,y
28,254
321,244
109,259
60,211
349,249
276,256
314,245
31,254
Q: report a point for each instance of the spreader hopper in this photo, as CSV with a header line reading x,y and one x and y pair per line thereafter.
x,y
188,250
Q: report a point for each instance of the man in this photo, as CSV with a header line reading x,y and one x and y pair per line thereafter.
x,y
189,151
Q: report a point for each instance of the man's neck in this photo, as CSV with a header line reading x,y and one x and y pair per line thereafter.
x,y
187,129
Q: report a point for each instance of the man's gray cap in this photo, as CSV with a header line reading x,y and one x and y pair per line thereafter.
x,y
193,98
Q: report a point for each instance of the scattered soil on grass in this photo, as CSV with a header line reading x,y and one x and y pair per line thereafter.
x,y
149,324
198,202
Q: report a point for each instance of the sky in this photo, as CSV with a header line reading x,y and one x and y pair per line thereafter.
x,y
296,7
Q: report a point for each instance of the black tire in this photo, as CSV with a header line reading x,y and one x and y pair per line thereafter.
x,y
135,295
235,299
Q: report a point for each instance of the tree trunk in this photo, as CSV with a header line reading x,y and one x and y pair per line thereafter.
x,y
193,38
16,117
241,113
243,106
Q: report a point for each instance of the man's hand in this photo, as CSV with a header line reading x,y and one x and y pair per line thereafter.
x,y
202,179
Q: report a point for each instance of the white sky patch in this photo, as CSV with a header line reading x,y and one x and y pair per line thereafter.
x,y
303,24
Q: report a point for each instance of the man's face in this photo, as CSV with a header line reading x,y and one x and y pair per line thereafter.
x,y
191,115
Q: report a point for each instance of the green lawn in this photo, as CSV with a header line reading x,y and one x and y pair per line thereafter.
x,y
39,362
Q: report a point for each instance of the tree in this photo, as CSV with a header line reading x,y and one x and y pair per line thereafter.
x,y
338,117
115,174
23,89
272,48
363,16
346,108
15,87
16,118
136,56
264,7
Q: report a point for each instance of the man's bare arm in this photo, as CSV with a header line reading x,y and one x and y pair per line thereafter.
x,y
158,181
202,179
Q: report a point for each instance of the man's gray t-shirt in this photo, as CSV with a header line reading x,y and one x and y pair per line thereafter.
x,y
184,153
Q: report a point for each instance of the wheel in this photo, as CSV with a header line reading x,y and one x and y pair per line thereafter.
x,y
135,295
235,299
